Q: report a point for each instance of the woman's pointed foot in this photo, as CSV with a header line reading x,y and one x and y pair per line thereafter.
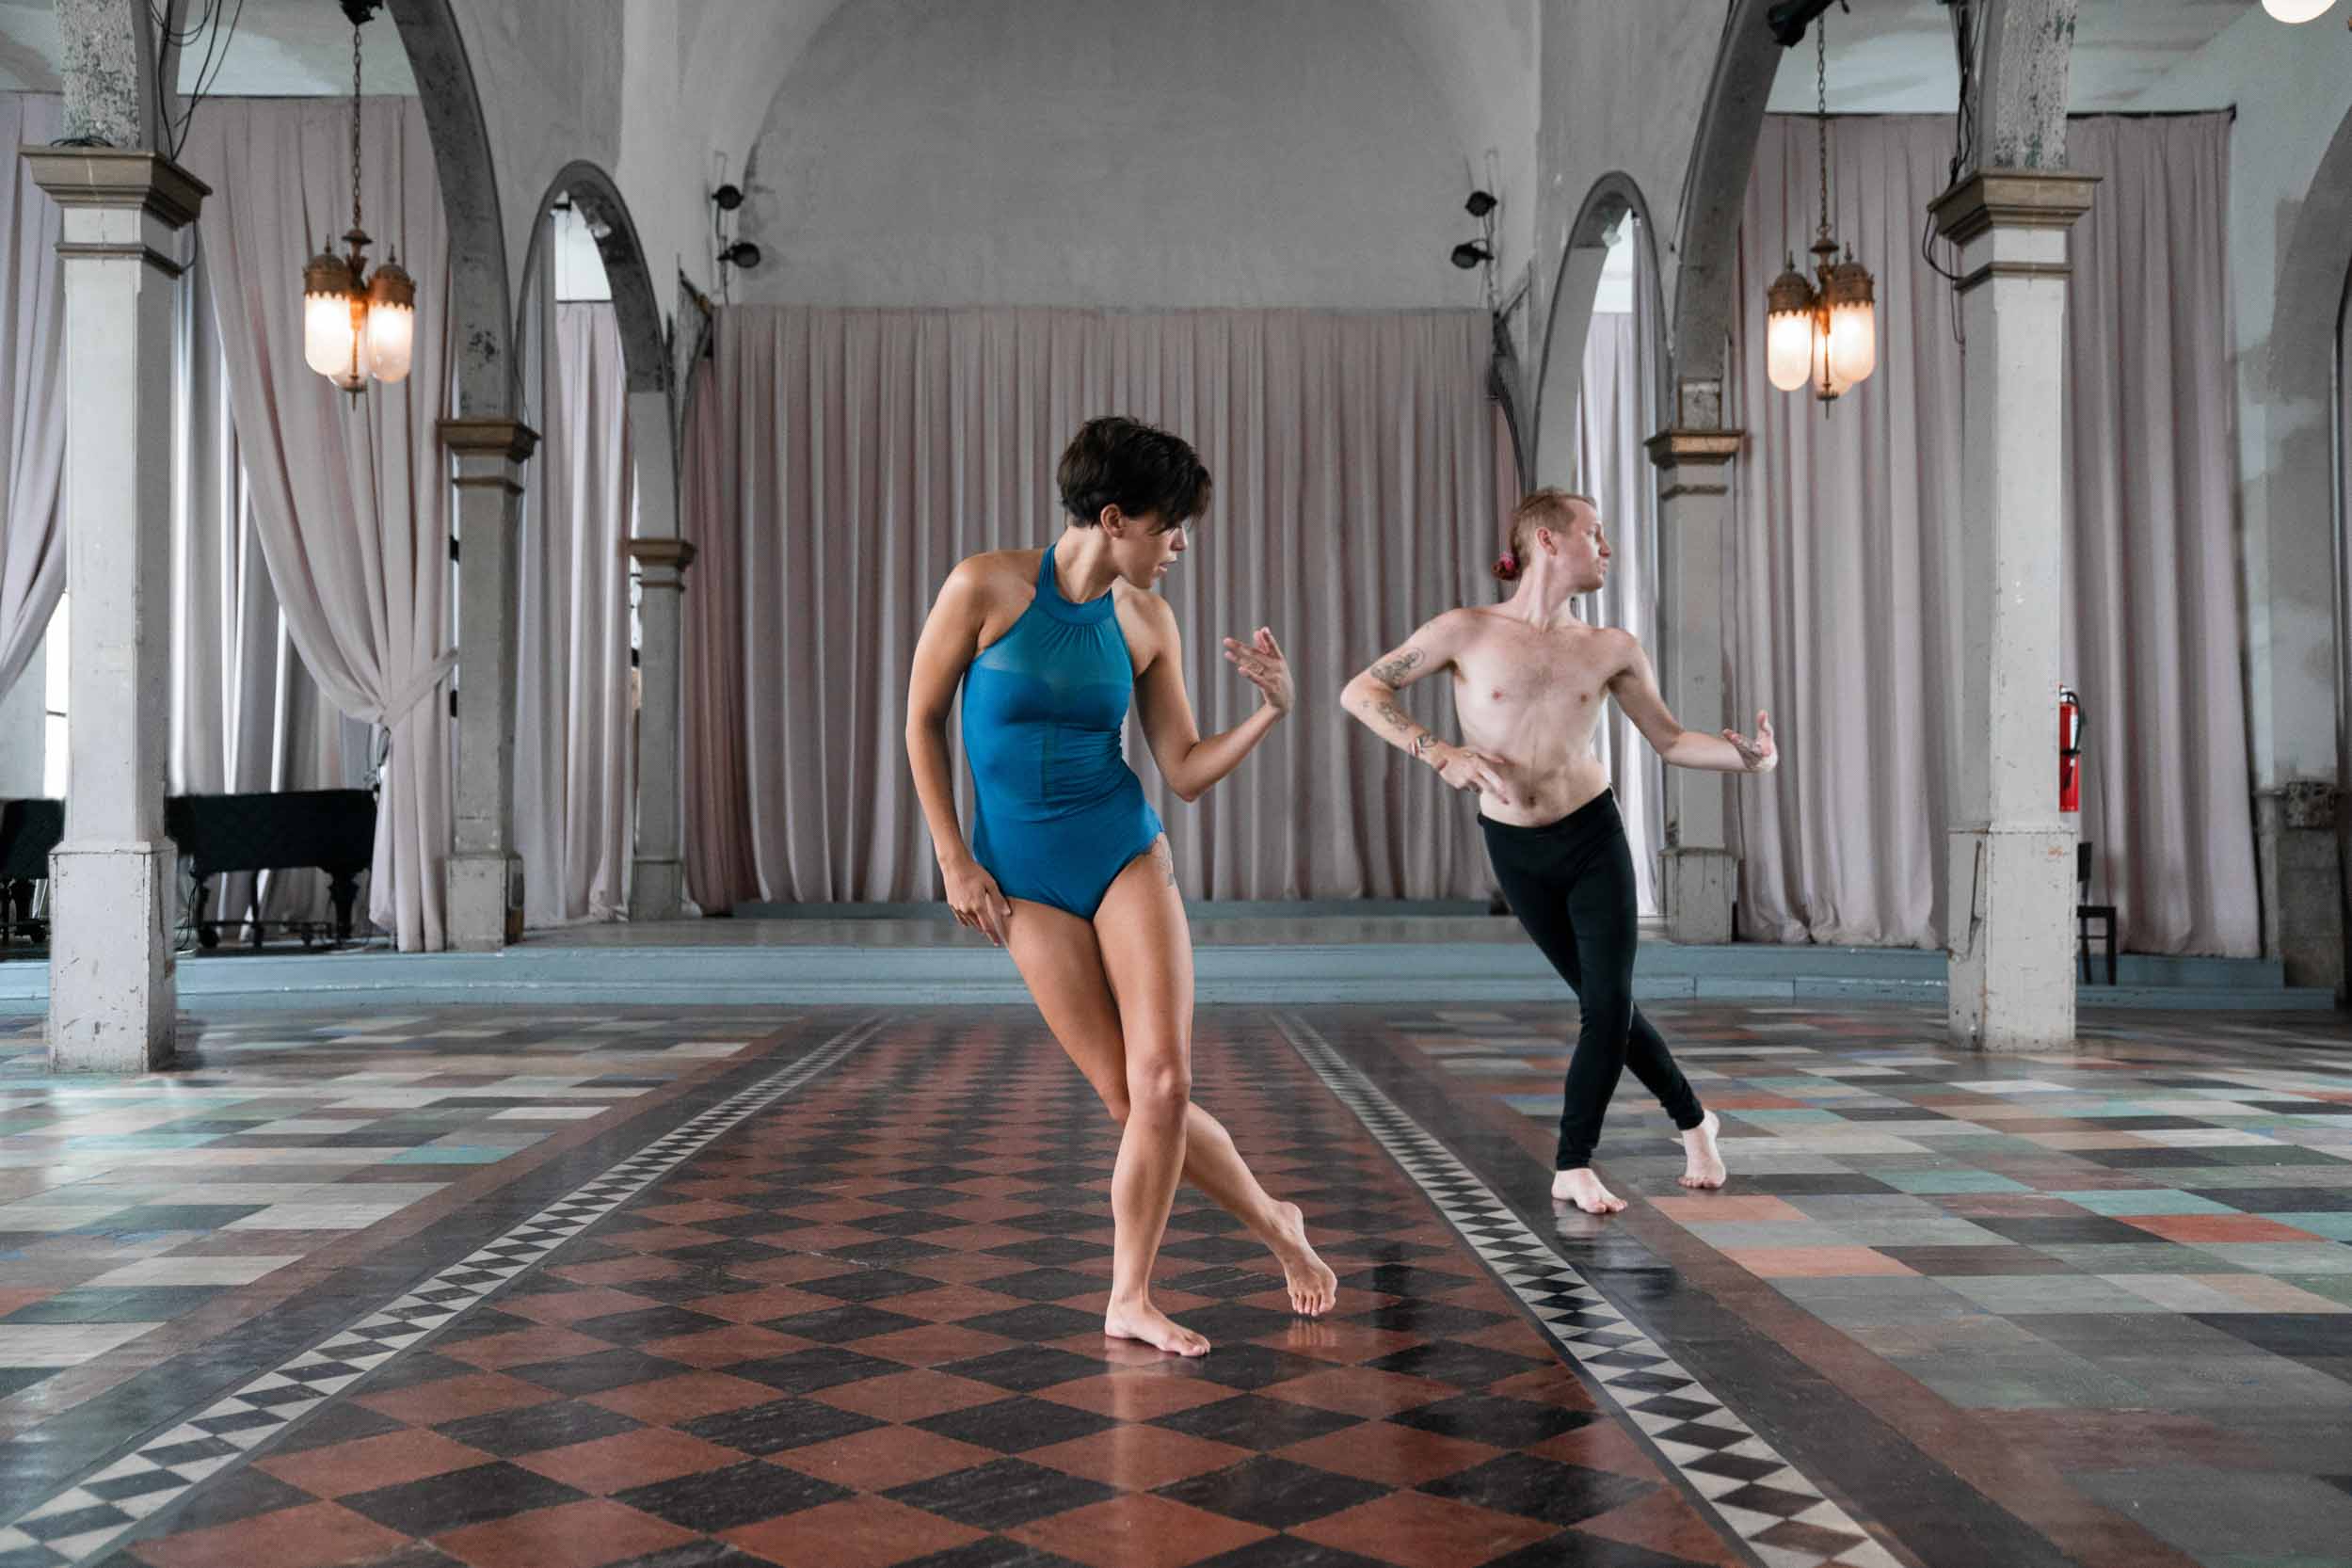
x,y
1702,1165
1583,1189
1141,1321
1312,1284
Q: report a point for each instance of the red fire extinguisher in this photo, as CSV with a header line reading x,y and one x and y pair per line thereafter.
x,y
2070,750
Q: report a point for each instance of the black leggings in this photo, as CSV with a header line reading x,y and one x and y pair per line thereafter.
x,y
1571,884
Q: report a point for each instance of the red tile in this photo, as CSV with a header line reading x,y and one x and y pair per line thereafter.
x,y
1600,1445
1552,1384
477,1394
791,1269
855,1532
1138,1394
620,1271
575,1535
1664,1522
571,1306
1138,1531
497,1351
318,1535
933,1345
1422,1531
684,1397
1814,1262
1390,1454
757,1306
640,1458
391,1460
1360,1391
693,1212
725,1347
950,1303
662,1239
884,1457
909,1395
2216,1227
1138,1459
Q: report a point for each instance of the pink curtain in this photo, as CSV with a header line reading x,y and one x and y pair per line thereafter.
x,y
1843,593
1613,420
245,712
575,756
350,495
860,454
32,416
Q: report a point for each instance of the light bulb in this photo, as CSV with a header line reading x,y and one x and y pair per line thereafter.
x,y
2298,10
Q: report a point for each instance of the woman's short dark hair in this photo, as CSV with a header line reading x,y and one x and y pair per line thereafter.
x,y
1142,469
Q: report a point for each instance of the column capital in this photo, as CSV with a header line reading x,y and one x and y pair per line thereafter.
x,y
2011,198
656,555
489,436
1703,453
118,177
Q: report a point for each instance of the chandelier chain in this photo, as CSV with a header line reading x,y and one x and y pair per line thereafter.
x,y
1821,122
355,127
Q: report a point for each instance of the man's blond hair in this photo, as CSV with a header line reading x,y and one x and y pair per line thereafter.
x,y
1549,507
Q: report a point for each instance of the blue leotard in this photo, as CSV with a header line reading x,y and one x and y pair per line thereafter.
x,y
1058,812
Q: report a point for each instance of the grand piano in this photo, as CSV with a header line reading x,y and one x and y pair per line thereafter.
x,y
333,830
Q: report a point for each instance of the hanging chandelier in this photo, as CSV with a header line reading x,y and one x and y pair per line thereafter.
x,y
354,327
1822,333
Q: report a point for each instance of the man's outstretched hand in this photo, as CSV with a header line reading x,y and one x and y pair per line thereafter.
x,y
1759,755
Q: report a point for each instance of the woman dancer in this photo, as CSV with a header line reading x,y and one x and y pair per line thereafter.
x,y
1067,866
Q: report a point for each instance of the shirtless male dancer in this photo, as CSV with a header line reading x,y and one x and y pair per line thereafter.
x,y
1531,684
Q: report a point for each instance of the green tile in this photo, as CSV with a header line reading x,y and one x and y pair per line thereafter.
x,y
2163,1200
1949,1181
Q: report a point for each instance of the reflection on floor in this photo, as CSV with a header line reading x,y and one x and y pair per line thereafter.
x,y
566,1286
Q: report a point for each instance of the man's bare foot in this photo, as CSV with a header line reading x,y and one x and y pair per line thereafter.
x,y
1704,1165
1313,1287
1144,1321
1583,1189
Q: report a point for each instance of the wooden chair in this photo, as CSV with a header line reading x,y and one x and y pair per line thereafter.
x,y
2088,914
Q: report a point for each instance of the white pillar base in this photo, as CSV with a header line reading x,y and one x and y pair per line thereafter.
x,y
111,1007
485,901
2012,985
1698,888
657,890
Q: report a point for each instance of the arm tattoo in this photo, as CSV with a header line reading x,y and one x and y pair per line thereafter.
x,y
1398,718
1394,669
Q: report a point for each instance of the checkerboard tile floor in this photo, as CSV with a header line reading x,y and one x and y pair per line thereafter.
x,y
130,1206
2133,1258
864,1328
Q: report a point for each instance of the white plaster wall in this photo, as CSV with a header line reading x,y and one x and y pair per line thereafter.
x,y
1622,89
1154,153
549,75
2291,91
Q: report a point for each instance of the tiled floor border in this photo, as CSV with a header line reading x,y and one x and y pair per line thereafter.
x,y
1764,1501
76,1523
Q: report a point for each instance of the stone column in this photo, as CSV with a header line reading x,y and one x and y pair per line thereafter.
x,y
485,873
114,880
2010,919
658,890
1699,876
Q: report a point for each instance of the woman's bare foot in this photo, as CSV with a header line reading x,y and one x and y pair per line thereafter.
x,y
1583,1189
1144,1321
1313,1287
1704,1165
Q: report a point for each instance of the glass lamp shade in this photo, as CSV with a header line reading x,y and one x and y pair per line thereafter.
x,y
391,319
1827,382
330,341
2296,10
1788,330
1853,329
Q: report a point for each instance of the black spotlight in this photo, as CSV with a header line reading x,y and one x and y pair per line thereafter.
x,y
742,254
1480,204
729,198
1470,253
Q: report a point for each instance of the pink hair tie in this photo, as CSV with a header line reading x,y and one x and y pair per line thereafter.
x,y
1506,565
